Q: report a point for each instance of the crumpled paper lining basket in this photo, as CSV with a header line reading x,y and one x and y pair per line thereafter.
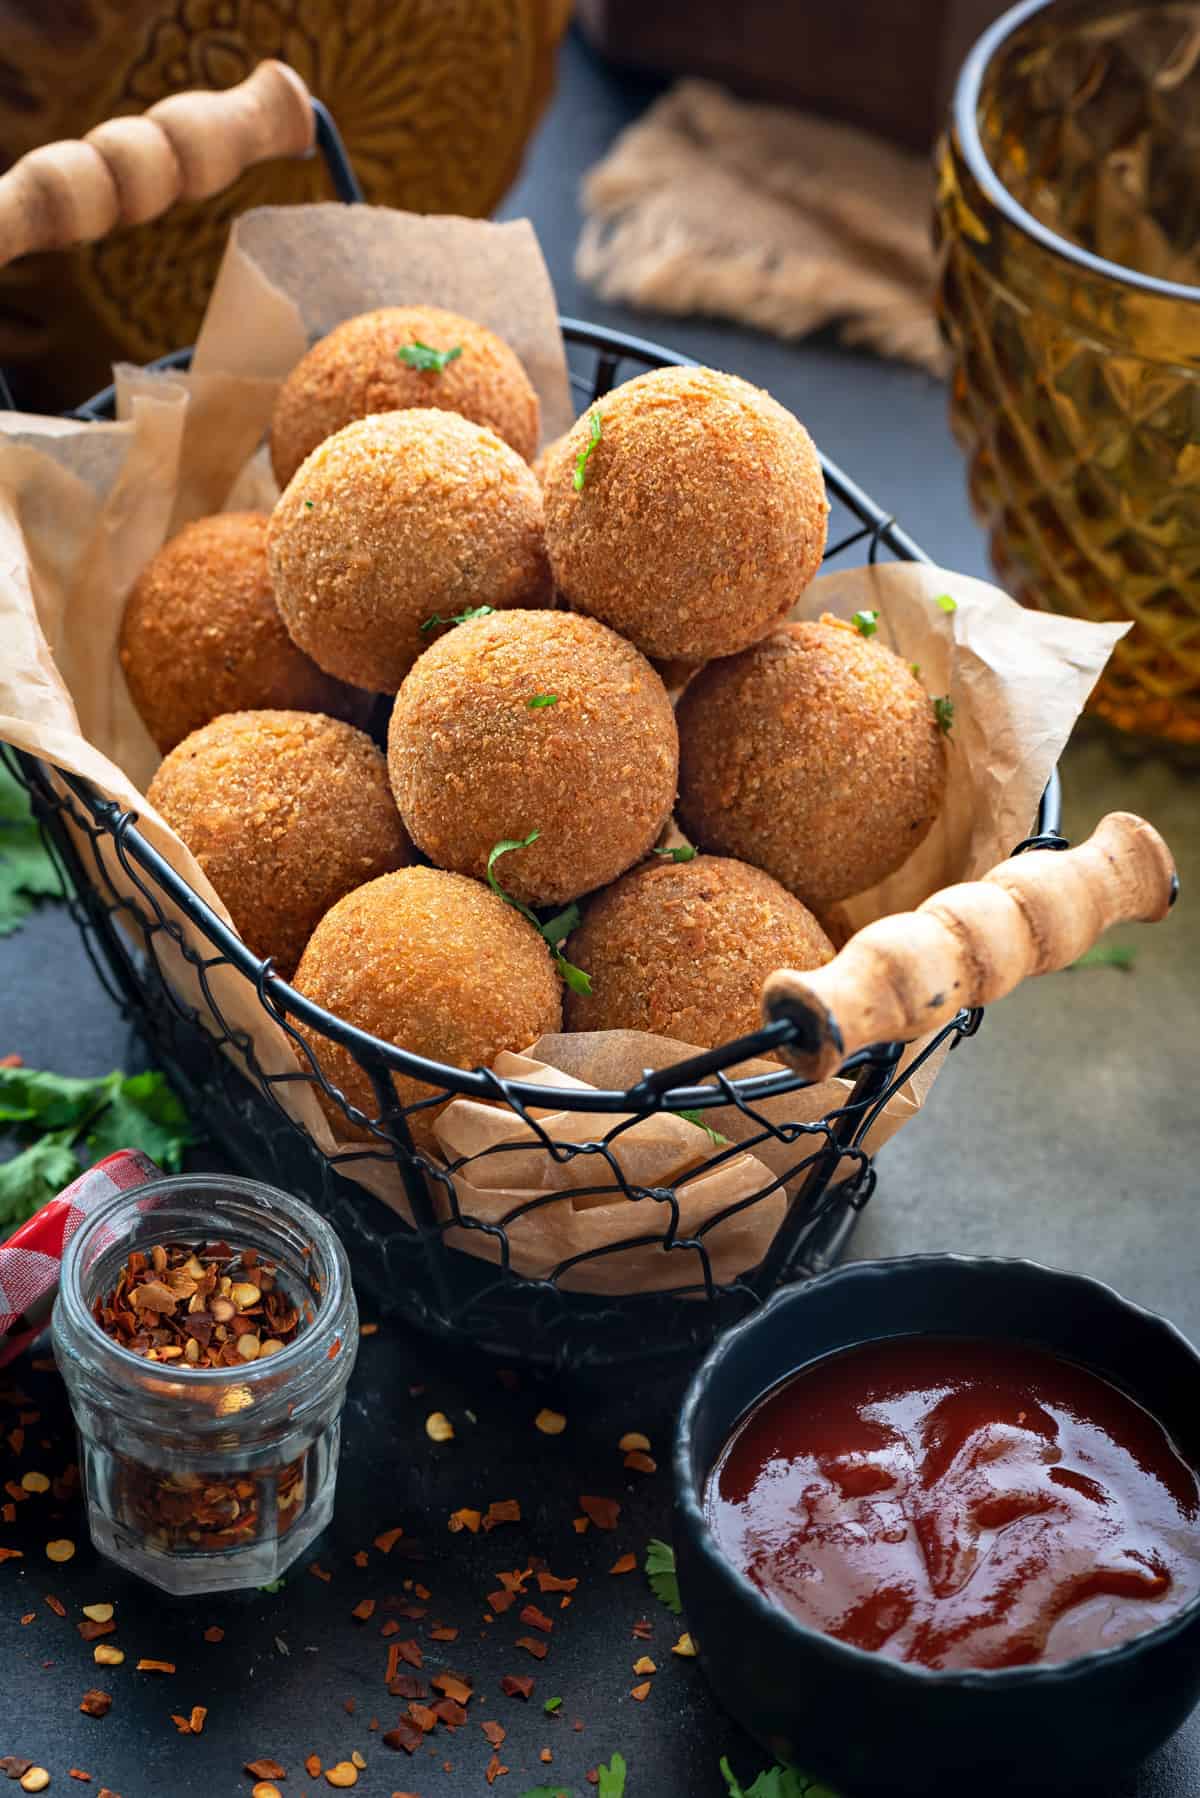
x,y
82,508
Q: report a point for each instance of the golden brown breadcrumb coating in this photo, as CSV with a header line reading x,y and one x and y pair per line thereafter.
x,y
357,370
681,949
435,963
393,520
285,812
592,766
701,517
815,755
202,635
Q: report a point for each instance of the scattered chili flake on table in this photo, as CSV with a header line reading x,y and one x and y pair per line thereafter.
x,y
685,1647
60,1550
550,1423
95,1703
641,1463
387,1540
364,1610
312,1766
644,1664
625,1564
214,1633
361,1558
495,1733
318,1572
502,1510
452,1686
146,1665
78,1773
633,1440
603,1512
532,1645
642,1692
443,1632
537,1619
517,1685
547,1582
91,1631
495,1769
466,1519
56,1605
29,1617
266,1768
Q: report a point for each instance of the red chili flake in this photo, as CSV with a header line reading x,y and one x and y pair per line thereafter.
x,y
548,1583
495,1769
364,1610
335,1348
9,1512
495,1733
312,1766
502,1510
579,1525
96,1703
406,1735
318,1572
413,1612
536,1619
532,1645
500,1601
56,1605
374,1723
29,1617
442,1632
643,1629
367,1329
78,1773
514,1582
92,1631
266,1769
16,1439
214,1633
603,1512
451,1712
405,1685
625,1564
14,1765
349,1706
422,1591
409,1651
17,1493
466,1519
10,1554
361,1558
11,1061
146,1665
387,1540
642,1692
452,1686
390,1628
592,1776
517,1685
425,1719
641,1462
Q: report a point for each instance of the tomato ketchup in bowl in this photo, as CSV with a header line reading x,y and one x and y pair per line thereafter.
x,y
938,1527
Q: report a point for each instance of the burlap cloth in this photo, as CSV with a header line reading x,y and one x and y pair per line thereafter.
x,y
775,218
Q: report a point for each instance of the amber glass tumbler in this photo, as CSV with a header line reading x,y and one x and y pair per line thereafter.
x,y
1068,222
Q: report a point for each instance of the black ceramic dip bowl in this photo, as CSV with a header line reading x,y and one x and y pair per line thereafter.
x,y
869,1724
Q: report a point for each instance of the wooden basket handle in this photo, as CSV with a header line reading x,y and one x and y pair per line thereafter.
x,y
972,943
128,170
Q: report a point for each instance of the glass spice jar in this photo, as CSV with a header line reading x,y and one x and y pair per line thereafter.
x,y
206,1478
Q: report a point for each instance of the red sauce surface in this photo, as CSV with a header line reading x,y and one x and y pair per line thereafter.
x,y
960,1504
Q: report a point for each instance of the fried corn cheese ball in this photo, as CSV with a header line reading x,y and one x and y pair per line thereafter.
x,y
534,721
681,949
432,962
369,364
397,519
202,635
545,456
701,515
815,755
285,812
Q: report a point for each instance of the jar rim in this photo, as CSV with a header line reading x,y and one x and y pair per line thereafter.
x,y
965,119
336,1298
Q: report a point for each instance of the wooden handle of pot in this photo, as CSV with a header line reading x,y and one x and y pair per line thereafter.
x,y
970,944
187,147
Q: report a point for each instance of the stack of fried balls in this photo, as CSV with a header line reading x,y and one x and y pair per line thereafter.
x,y
512,863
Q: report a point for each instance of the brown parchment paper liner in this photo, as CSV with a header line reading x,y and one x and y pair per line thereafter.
x,y
84,506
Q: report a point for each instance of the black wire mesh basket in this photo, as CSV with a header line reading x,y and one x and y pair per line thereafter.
x,y
820,1170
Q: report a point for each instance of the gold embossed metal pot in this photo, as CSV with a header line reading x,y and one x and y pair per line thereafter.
x,y
1068,218
435,100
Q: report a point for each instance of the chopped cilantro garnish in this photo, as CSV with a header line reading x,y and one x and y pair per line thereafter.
x,y
947,602
558,926
541,700
660,1571
682,852
612,1778
27,870
916,670
308,505
273,1585
1107,955
943,711
697,1118
432,623
866,623
774,1782
419,355
551,1705
581,460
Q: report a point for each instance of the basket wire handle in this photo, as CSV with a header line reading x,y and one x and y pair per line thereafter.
x,y
186,147
969,944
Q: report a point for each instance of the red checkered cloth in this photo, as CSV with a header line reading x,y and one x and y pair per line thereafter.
x,y
30,1259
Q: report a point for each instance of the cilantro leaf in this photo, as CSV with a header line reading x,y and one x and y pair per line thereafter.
x,y
546,1792
431,623
33,1176
660,1571
916,670
27,870
141,1111
558,926
273,1585
947,602
697,1118
1107,955
866,623
50,1101
551,1705
541,700
943,711
774,1782
612,1778
582,459
429,361
682,852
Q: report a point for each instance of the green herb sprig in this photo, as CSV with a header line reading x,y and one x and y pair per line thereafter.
x,y
68,1118
541,700
866,623
552,1705
947,602
430,361
612,1778
432,622
1106,955
697,1118
774,1782
943,711
27,870
555,929
682,852
659,1568
582,459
